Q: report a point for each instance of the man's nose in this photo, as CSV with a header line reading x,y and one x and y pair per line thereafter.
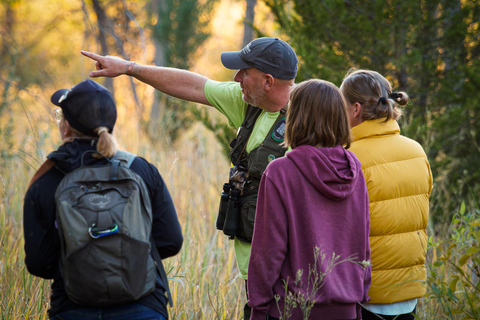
x,y
238,76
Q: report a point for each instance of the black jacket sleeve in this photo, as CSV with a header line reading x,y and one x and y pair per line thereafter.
x,y
166,232
42,245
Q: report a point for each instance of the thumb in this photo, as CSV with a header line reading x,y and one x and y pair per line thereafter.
x,y
98,73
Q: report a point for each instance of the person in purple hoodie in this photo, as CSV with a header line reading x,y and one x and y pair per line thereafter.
x,y
310,248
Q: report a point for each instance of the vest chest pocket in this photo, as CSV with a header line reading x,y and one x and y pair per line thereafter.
x,y
261,156
249,208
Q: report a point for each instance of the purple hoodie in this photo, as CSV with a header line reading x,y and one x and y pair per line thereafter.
x,y
313,197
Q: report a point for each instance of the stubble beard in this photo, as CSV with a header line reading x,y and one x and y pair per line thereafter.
x,y
255,98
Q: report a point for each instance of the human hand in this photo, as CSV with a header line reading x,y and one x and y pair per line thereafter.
x,y
107,66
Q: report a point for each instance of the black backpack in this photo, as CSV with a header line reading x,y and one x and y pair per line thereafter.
x,y
104,219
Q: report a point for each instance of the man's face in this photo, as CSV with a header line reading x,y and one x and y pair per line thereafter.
x,y
252,82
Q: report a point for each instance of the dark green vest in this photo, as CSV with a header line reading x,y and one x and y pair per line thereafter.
x,y
255,163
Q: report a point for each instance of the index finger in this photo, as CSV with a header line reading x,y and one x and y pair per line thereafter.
x,y
92,55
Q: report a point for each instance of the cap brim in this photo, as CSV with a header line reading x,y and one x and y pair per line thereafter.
x,y
232,60
57,95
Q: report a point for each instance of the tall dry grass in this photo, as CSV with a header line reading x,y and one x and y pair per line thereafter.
x,y
203,277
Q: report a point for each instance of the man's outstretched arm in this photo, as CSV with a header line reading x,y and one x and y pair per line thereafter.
x,y
177,83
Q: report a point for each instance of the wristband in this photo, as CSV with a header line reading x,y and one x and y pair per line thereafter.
x,y
130,67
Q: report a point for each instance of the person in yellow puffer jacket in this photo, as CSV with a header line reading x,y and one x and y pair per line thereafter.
x,y
399,183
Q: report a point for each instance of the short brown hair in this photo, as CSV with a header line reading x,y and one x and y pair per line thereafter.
x,y
374,92
317,116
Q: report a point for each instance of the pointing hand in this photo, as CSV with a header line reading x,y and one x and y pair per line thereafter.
x,y
107,66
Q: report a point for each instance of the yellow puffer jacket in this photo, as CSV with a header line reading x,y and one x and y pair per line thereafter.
x,y
399,182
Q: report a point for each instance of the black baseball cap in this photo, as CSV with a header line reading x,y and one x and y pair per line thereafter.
x,y
269,55
87,106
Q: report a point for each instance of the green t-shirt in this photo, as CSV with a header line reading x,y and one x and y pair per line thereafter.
x,y
226,97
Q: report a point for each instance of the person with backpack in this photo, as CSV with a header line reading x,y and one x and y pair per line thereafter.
x,y
97,220
255,103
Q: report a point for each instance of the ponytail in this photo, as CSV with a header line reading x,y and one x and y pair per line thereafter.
x,y
107,145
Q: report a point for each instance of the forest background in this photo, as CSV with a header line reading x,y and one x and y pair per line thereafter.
x,y
428,48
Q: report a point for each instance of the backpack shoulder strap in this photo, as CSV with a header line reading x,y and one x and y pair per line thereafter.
x,y
123,158
126,158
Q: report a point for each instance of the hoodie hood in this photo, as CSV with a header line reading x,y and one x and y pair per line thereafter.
x,y
68,156
331,171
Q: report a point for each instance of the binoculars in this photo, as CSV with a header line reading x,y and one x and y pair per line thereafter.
x,y
228,218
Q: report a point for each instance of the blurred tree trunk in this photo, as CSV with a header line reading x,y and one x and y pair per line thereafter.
x,y
7,57
158,103
7,29
248,22
179,28
103,27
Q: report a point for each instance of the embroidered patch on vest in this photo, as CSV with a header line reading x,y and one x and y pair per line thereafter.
x,y
278,133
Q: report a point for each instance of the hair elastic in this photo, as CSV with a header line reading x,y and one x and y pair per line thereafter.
x,y
383,100
395,96
102,130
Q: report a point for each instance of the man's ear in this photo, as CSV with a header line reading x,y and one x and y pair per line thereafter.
x,y
269,81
